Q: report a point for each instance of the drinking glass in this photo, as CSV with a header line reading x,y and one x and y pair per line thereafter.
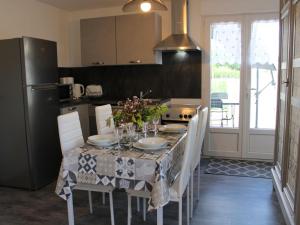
x,y
130,130
119,131
155,122
145,129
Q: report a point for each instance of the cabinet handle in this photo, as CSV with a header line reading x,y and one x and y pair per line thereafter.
x,y
98,63
135,61
72,108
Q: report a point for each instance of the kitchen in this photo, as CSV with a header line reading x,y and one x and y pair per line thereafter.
x,y
106,55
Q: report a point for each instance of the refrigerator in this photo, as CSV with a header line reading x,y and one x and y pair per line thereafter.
x,y
29,143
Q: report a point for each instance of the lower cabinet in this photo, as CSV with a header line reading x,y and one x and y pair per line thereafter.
x,y
83,111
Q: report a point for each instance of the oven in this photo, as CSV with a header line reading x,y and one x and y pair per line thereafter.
x,y
180,113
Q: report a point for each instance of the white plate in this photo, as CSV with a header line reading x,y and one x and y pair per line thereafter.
x,y
173,128
138,146
152,142
102,144
102,139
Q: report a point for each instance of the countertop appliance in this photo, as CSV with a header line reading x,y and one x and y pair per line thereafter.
x,y
180,111
66,80
94,91
30,152
65,92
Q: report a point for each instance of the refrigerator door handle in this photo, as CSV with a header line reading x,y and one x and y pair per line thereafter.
x,y
44,87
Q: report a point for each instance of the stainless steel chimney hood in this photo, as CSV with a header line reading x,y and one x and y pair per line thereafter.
x,y
179,40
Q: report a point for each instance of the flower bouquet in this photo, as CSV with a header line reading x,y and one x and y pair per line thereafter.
x,y
138,112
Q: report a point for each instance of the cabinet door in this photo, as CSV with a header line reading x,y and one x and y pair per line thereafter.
x,y
136,37
98,41
283,97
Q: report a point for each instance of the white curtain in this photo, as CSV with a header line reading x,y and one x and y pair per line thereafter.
x,y
225,43
264,44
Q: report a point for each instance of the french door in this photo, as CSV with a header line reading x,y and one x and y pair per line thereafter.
x,y
242,64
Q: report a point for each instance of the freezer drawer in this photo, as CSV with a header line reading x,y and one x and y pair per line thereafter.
x,y
83,111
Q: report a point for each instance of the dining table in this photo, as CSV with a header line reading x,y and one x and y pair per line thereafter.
x,y
125,167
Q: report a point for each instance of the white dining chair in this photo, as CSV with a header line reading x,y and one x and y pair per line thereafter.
x,y
181,183
70,135
201,129
103,114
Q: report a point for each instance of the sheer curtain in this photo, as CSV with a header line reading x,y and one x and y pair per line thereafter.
x,y
226,38
264,42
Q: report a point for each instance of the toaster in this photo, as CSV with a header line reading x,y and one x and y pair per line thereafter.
x,y
93,91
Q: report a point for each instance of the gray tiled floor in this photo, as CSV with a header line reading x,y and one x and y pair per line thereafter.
x,y
224,200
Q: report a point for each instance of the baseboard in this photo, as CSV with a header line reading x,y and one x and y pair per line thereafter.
x,y
283,200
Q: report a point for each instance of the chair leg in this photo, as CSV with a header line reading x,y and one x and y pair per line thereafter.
x,y
90,202
111,204
138,207
70,210
103,198
144,209
198,183
188,206
129,210
180,211
192,194
160,216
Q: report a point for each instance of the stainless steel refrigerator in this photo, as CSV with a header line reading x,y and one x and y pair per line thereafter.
x,y
29,144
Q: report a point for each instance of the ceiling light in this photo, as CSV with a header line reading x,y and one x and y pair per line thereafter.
x,y
144,6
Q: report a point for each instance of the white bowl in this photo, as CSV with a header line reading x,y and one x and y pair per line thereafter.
x,y
173,128
152,142
102,138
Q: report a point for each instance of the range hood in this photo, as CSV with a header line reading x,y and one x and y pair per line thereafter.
x,y
179,40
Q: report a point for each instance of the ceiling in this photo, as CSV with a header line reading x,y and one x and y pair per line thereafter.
x,y
73,5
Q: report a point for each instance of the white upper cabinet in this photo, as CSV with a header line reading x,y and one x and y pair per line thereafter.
x,y
98,42
137,35
128,39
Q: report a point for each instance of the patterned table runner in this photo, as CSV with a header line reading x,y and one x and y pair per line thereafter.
x,y
128,169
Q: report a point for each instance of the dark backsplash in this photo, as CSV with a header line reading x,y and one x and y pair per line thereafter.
x,y
178,77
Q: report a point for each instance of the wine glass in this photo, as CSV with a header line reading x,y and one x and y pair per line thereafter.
x,y
145,129
130,133
119,131
155,122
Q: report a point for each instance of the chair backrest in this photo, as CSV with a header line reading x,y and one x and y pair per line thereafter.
x,y
70,133
201,129
103,113
203,126
216,103
188,154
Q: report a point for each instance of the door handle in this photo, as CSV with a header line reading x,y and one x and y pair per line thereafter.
x,y
285,82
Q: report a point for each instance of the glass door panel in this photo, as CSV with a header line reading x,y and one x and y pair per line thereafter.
x,y
225,67
264,74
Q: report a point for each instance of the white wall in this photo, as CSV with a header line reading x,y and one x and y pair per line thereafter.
x,y
74,27
31,18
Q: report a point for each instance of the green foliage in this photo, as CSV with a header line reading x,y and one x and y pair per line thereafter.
x,y
137,111
225,71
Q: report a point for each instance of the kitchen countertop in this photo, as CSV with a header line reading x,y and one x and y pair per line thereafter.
x,y
95,101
